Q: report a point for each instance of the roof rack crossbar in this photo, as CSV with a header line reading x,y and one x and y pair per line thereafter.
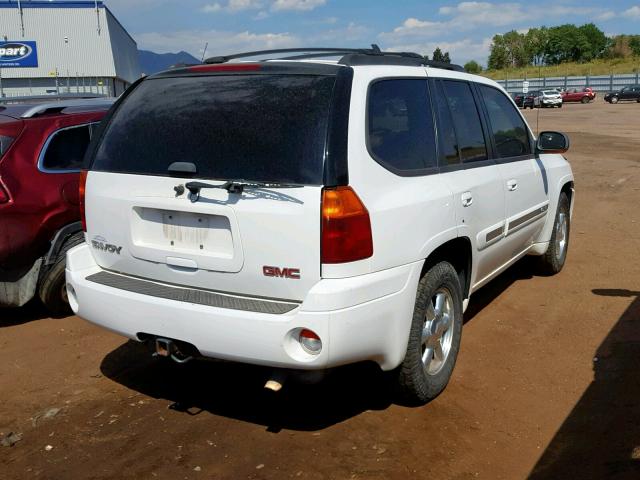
x,y
327,52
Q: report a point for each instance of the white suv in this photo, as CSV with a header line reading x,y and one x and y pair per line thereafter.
x,y
305,214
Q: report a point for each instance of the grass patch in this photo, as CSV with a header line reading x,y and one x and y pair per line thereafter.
x,y
596,67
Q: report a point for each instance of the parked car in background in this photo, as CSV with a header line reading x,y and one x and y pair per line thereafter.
x,y
42,147
518,99
630,93
401,187
585,95
548,99
529,99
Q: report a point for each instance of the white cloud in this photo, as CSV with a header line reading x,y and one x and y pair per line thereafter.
x,y
221,42
633,12
300,5
232,6
471,16
606,15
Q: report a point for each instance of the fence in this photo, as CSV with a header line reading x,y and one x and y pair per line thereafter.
x,y
599,83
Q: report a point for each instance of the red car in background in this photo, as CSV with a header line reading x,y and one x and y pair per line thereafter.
x,y
585,95
42,148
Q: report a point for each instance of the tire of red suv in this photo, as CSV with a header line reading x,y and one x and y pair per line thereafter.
x,y
585,100
52,289
434,338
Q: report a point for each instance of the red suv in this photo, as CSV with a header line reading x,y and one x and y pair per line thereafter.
x,y
41,152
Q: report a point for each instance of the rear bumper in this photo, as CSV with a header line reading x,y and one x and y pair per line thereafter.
x,y
358,318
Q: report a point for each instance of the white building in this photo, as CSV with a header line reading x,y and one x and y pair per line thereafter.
x,y
59,47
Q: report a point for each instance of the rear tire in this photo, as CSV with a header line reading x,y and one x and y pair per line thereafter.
x,y
53,284
584,100
614,100
553,260
434,338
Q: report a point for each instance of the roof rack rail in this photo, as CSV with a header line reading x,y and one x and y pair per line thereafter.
x,y
89,104
349,56
317,51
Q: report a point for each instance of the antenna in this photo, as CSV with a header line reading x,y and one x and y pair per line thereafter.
x,y
204,52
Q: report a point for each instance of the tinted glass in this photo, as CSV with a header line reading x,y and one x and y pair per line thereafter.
x,y
466,119
66,149
447,141
243,127
507,127
400,123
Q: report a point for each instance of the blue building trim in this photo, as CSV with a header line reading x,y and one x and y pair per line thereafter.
x,y
53,4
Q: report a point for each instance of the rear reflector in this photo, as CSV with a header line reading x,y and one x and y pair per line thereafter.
x,y
346,228
310,341
232,67
82,183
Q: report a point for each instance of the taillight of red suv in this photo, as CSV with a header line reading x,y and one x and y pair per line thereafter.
x,y
82,183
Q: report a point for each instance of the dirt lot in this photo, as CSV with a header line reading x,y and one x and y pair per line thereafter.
x,y
546,385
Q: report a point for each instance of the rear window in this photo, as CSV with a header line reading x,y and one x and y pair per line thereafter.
x,y
270,128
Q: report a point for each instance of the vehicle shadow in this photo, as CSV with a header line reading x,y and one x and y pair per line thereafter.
x,y
236,390
601,436
32,311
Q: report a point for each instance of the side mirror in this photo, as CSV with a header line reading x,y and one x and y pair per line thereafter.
x,y
552,142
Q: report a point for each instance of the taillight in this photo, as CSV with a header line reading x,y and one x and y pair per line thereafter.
x,y
81,185
4,195
346,227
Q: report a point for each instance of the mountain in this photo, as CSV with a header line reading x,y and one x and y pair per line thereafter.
x,y
151,62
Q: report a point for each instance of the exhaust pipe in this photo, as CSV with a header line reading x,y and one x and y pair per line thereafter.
x,y
276,382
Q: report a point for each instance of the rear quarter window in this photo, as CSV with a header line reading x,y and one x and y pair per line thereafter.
x,y
400,127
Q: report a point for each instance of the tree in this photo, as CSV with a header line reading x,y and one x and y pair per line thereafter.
x,y
634,44
446,58
472,67
567,43
509,50
536,43
596,39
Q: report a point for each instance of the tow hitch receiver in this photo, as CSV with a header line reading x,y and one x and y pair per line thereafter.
x,y
163,347
168,348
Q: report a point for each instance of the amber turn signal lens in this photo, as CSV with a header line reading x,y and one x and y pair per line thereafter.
x,y
346,227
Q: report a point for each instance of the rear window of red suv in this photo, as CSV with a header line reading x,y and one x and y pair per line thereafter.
x,y
269,128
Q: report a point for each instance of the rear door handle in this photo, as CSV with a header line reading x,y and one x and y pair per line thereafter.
x,y
467,199
512,185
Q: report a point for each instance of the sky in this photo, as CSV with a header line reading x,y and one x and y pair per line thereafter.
x,y
463,28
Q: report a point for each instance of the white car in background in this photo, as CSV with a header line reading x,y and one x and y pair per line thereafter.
x,y
306,214
548,99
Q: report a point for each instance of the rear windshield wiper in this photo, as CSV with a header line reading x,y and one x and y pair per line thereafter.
x,y
235,186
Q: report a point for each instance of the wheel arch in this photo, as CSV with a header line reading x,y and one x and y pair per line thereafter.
x,y
457,252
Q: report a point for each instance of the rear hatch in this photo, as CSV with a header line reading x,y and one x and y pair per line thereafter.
x,y
237,126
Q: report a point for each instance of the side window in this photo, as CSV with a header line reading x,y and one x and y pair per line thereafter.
x,y
66,148
449,154
400,125
507,127
466,120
